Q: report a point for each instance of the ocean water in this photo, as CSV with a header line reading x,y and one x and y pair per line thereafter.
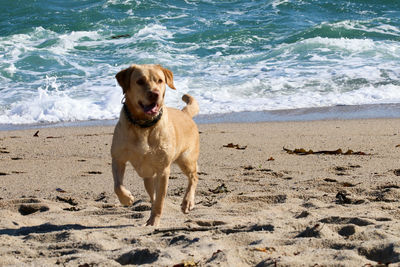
x,y
58,58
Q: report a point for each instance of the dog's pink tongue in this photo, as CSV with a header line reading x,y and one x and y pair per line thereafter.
x,y
151,109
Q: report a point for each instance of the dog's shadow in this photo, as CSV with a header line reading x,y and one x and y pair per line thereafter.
x,y
49,228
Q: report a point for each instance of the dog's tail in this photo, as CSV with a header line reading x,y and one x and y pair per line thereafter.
x,y
192,107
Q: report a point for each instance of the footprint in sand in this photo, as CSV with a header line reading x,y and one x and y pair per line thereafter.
x,y
25,206
347,230
26,209
139,256
384,253
319,230
183,240
266,199
346,220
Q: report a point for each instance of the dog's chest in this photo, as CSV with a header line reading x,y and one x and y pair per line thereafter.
x,y
147,153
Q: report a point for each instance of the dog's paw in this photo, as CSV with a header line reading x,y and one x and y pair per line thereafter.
x,y
126,198
187,205
153,221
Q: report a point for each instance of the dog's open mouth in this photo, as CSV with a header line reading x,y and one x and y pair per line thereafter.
x,y
151,109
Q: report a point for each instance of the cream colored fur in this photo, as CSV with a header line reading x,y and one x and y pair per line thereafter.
x,y
151,151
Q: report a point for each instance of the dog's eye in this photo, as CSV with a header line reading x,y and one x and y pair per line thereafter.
x,y
140,82
160,81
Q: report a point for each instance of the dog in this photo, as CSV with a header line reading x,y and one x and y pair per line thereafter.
x,y
152,137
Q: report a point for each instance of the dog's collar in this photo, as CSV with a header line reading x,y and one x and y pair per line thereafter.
x,y
142,123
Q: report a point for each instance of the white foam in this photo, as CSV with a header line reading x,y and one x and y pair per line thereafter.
x,y
67,42
49,104
351,45
230,22
367,26
11,69
235,12
369,95
282,83
154,32
276,3
118,2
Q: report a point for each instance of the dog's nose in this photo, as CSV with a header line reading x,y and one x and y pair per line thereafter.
x,y
153,95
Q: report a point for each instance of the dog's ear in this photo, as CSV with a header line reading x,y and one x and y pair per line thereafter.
x,y
124,78
169,77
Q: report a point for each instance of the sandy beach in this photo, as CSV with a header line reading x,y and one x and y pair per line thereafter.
x,y
256,204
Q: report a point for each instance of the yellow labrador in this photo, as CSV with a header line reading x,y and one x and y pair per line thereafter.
x,y
152,137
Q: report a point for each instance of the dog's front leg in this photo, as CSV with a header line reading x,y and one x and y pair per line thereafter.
x,y
118,170
149,185
161,185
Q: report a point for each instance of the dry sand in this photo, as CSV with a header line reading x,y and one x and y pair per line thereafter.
x,y
258,206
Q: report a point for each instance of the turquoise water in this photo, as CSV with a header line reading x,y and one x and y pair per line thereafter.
x,y
58,59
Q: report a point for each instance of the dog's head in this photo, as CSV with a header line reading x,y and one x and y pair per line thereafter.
x,y
144,88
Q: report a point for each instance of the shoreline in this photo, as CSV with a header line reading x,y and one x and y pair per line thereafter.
x,y
373,111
